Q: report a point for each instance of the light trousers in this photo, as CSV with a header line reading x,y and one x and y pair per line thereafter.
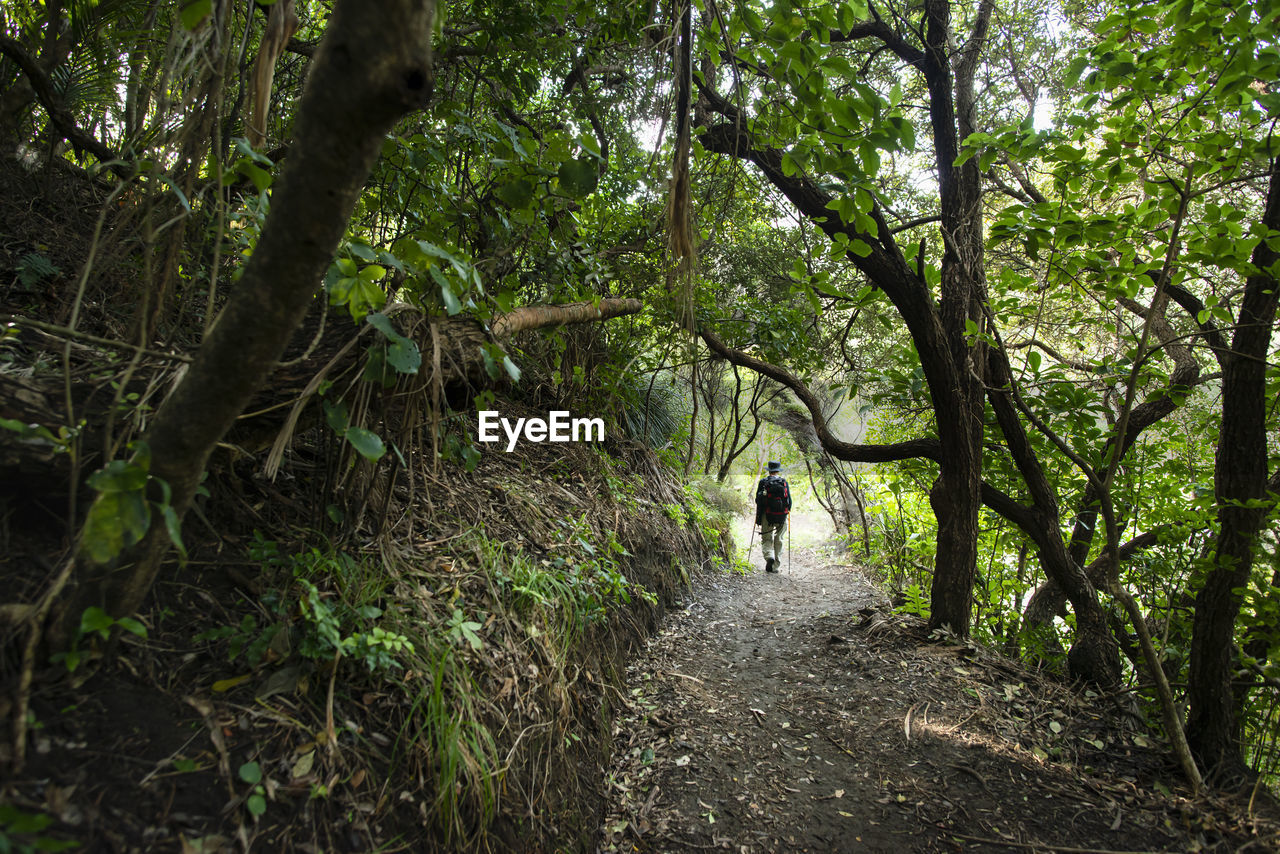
x,y
771,534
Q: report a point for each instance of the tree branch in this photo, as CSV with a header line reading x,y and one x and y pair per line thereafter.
x,y
914,223
972,49
912,449
1001,502
1084,367
542,316
881,264
1191,304
1048,600
878,29
58,113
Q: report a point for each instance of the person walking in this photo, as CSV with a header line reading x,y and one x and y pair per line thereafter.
x,y
773,505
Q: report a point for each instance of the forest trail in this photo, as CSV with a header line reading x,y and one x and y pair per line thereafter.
x,y
794,712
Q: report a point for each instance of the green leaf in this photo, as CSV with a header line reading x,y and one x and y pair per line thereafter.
x,y
491,366
468,630
375,367
251,773
173,525
118,476
403,354
194,13
71,658
363,251
382,323
129,624
517,193
451,303
135,516
35,431
358,293
366,442
94,619
115,520
177,191
45,843
1033,360
246,150
578,178
390,260
335,414
260,177
15,820
870,158
256,804
513,370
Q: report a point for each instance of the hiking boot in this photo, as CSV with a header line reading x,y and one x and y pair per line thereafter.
x,y
769,565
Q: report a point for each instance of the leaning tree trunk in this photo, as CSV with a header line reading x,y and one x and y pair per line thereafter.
x,y
372,67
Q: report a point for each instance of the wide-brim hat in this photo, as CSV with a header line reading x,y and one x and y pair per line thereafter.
x,y
774,465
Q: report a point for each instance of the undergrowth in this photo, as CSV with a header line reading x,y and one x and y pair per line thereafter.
x,y
472,651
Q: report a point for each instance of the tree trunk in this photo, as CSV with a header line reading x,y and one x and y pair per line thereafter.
x,y
1240,484
955,501
956,496
373,66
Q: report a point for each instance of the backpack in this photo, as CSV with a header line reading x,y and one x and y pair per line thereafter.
x,y
776,498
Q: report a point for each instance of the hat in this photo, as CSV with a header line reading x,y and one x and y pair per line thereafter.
x,y
774,465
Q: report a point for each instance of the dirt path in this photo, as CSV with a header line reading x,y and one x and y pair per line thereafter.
x,y
782,713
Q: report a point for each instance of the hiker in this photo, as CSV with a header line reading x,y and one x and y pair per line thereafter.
x,y
773,504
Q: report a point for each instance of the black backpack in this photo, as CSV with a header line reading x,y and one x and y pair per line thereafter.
x,y
776,497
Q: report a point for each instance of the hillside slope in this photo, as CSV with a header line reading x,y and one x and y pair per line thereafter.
x,y
443,681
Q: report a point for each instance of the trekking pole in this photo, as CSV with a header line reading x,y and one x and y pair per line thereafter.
x,y
751,542
788,544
